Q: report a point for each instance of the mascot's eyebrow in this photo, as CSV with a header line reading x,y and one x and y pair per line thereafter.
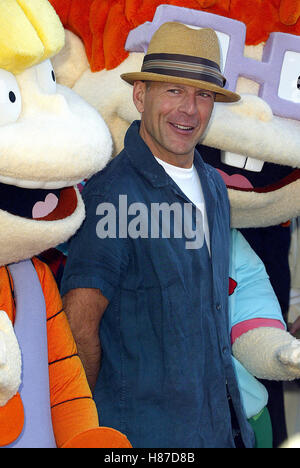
x,y
27,37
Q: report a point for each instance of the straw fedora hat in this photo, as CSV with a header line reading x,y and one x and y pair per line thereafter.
x,y
182,55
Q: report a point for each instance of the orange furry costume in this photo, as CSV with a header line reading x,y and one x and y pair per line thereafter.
x,y
73,410
103,25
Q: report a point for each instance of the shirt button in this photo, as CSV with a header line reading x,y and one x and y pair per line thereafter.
x,y
218,306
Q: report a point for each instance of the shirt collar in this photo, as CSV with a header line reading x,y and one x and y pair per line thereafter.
x,y
144,161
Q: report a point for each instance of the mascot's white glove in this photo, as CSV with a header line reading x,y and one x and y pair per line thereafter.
x,y
269,353
10,360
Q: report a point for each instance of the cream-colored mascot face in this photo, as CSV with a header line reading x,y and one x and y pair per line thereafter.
x,y
50,138
255,148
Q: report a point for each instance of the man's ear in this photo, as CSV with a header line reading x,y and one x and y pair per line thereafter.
x,y
139,91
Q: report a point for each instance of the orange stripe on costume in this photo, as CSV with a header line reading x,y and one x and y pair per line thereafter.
x,y
74,414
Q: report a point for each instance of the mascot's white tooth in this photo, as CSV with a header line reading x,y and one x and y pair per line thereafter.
x,y
254,165
240,161
232,159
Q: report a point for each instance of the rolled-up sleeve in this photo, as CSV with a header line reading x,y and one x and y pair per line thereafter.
x,y
97,256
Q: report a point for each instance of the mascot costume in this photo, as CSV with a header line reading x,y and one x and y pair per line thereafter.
x,y
253,143
50,140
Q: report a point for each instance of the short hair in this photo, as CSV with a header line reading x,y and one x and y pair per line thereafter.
x,y
30,32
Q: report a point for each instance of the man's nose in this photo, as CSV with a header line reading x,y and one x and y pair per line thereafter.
x,y
188,104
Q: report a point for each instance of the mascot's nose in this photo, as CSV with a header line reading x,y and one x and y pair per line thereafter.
x,y
46,104
56,103
253,107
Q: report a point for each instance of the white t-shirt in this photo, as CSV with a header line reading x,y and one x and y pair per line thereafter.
x,y
189,183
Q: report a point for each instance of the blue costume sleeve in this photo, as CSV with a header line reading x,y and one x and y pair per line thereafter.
x,y
253,296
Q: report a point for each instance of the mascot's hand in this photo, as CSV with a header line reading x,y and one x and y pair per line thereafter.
x,y
269,353
99,437
10,360
289,354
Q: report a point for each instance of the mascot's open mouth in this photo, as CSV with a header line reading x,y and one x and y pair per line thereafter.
x,y
271,178
38,204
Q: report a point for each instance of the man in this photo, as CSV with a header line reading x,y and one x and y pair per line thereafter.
x,y
156,285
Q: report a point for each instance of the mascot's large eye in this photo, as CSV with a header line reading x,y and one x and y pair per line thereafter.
x,y
224,40
46,77
289,85
10,98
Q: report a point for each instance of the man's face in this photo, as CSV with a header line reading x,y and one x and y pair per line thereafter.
x,y
173,118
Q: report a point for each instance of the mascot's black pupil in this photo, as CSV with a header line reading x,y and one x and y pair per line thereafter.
x,y
298,82
12,96
54,79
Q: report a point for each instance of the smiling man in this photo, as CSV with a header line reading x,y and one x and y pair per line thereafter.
x,y
156,305
174,119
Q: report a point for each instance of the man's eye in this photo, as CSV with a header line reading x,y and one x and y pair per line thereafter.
x,y
206,95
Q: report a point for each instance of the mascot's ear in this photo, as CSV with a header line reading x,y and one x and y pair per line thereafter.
x,y
71,61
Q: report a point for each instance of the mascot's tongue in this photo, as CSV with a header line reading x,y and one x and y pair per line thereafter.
x,y
235,180
43,208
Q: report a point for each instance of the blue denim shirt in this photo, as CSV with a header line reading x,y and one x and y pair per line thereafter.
x,y
166,368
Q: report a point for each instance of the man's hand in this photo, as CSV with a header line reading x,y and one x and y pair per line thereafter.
x,y
10,360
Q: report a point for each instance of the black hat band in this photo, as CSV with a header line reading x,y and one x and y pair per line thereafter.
x,y
184,66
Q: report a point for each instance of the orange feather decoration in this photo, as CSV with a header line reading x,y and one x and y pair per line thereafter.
x,y
103,25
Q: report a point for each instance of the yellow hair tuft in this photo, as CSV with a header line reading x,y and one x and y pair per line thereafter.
x,y
30,32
